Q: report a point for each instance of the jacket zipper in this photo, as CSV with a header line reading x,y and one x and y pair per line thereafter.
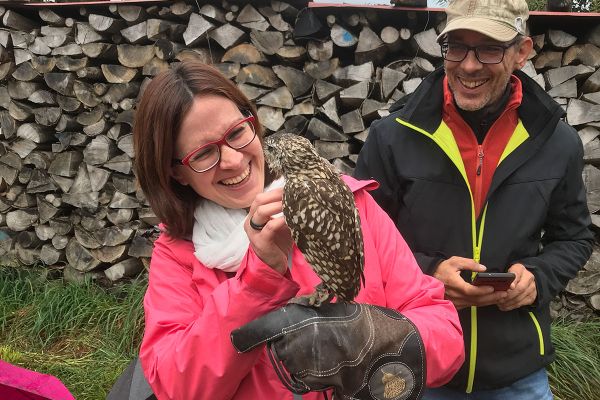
x,y
450,147
478,177
478,240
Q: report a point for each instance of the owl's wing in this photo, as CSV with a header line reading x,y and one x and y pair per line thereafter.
x,y
325,225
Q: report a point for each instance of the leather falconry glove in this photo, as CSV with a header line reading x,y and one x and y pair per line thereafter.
x,y
363,352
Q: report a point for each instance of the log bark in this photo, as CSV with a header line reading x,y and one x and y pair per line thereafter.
x,y
134,56
268,42
118,73
12,19
197,30
135,34
324,90
390,36
325,132
560,39
126,268
370,47
43,64
353,74
166,49
320,50
322,69
103,24
25,72
52,18
279,98
227,36
244,54
131,14
580,112
61,82
80,258
66,63
250,18
341,37
426,41
258,75
84,34
298,82
352,122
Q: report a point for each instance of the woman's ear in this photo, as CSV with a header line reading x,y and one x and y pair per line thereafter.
x,y
178,175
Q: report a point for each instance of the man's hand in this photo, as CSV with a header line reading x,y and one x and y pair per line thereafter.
x,y
462,293
523,290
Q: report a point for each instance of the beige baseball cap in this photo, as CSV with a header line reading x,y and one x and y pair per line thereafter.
x,y
501,20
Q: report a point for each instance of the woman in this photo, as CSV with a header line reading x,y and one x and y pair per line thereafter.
x,y
201,165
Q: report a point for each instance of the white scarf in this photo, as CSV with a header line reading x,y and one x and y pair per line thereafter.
x,y
219,238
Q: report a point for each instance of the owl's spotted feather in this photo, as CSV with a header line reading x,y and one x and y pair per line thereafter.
x,y
319,208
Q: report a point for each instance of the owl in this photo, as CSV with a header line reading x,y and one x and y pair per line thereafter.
x,y
320,211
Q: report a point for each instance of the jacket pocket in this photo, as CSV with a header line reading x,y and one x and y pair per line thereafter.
x,y
540,334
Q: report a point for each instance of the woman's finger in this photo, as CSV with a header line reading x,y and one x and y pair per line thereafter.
x,y
266,197
265,212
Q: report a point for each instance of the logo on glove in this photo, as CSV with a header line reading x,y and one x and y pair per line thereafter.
x,y
394,385
391,381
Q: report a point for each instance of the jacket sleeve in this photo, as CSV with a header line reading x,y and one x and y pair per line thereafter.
x,y
186,351
417,296
567,240
376,161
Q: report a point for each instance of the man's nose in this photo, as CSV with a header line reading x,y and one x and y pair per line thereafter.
x,y
471,63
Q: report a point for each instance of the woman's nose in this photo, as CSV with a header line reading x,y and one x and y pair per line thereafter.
x,y
230,158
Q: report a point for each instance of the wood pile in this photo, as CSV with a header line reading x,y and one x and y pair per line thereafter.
x,y
70,79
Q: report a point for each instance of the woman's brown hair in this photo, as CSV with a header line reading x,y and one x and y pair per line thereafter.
x,y
164,105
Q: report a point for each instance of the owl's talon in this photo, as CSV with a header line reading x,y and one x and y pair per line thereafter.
x,y
320,296
301,300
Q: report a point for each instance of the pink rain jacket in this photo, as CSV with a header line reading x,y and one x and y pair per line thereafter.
x,y
190,311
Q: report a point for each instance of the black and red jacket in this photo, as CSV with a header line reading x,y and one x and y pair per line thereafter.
x,y
534,213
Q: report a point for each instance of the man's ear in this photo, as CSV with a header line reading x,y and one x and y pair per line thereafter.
x,y
523,52
176,173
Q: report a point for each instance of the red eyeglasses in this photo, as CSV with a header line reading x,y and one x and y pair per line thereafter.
x,y
208,155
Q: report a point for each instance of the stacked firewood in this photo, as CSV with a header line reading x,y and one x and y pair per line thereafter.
x,y
569,70
70,79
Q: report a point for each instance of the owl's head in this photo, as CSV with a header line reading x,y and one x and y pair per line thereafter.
x,y
286,151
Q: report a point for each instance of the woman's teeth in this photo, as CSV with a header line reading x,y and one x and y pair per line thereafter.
x,y
472,84
237,179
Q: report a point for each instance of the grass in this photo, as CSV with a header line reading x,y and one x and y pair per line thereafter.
x,y
83,334
575,375
86,335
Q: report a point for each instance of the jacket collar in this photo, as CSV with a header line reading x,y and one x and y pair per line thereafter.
x,y
423,108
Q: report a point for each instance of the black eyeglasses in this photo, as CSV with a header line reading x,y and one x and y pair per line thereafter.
x,y
240,135
486,53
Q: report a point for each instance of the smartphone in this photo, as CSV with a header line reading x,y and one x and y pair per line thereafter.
x,y
500,281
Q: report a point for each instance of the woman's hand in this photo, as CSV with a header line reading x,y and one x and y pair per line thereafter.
x,y
273,242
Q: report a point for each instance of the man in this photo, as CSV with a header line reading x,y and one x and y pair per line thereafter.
x,y
480,174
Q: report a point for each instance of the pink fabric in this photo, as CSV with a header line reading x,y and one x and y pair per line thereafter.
x,y
19,383
190,310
